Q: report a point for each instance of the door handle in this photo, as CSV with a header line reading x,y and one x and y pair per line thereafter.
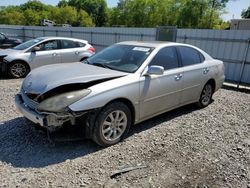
x,y
205,70
76,52
54,54
178,77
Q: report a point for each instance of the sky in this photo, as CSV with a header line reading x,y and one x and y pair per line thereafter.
x,y
234,7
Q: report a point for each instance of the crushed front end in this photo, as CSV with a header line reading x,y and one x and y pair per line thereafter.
x,y
28,105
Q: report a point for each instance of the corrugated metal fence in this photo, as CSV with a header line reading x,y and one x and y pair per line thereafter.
x,y
231,46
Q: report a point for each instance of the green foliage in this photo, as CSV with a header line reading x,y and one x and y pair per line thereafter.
x,y
183,13
84,19
96,9
246,13
130,13
32,12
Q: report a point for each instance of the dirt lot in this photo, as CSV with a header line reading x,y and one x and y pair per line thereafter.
x,y
187,147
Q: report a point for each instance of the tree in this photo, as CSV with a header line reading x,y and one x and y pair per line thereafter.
x,y
64,15
96,9
84,19
183,13
62,3
12,17
246,13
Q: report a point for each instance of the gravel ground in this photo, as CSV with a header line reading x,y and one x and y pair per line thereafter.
x,y
187,147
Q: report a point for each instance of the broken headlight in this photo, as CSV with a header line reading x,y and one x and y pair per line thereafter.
x,y
59,102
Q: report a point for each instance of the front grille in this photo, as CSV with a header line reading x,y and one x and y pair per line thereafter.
x,y
29,102
32,96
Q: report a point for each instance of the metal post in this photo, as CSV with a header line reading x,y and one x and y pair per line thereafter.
x,y
23,37
91,37
243,63
185,38
33,34
115,37
141,36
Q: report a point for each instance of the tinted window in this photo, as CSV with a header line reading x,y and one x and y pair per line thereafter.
x,y
189,56
48,45
69,44
81,44
166,58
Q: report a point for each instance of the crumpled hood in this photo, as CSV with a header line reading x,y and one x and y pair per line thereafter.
x,y
45,78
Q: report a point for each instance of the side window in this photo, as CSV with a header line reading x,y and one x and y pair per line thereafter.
x,y
48,45
190,56
166,58
69,44
81,44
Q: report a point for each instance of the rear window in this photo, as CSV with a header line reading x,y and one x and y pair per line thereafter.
x,y
69,44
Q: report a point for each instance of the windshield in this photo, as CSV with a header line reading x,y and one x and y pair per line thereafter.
x,y
27,44
125,58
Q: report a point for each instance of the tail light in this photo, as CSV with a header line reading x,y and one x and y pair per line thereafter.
x,y
91,49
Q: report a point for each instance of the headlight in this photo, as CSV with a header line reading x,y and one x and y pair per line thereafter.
x,y
59,102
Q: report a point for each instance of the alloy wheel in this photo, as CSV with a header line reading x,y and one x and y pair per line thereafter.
x,y
114,125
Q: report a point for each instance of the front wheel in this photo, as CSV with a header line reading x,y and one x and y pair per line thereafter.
x,y
18,70
206,96
112,124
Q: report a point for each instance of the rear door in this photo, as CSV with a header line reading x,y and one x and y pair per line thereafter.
x,y
159,93
49,53
70,51
195,73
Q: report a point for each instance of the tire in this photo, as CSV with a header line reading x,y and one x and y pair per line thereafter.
x,y
112,124
18,69
83,59
206,96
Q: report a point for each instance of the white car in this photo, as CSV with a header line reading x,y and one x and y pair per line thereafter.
x,y
20,60
122,85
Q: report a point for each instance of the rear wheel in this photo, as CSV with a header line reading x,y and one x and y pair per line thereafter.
x,y
112,124
18,69
206,95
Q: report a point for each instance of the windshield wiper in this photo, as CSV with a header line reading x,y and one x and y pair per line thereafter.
x,y
104,65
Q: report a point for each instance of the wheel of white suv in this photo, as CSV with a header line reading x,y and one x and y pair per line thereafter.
x,y
18,69
112,124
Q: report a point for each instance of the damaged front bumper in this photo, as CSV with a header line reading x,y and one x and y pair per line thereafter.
x,y
50,121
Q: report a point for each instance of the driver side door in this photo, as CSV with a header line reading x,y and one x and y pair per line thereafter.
x,y
49,53
159,93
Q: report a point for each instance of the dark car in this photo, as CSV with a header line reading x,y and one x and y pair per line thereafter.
x,y
6,42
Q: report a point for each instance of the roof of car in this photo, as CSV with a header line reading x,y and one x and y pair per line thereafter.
x,y
62,38
153,44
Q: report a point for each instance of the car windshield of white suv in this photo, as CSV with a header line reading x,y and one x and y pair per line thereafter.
x,y
27,44
125,58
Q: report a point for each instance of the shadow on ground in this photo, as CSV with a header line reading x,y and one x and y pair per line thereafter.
x,y
24,146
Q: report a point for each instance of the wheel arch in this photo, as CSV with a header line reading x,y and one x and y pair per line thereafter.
x,y
22,61
128,103
83,58
212,82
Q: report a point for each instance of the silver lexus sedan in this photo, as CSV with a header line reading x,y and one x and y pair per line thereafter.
x,y
19,60
122,85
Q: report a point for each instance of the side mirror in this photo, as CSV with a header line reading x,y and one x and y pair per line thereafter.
x,y
36,48
155,70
